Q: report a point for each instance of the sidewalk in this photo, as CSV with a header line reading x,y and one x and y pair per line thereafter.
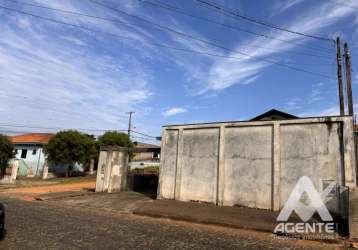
x,y
236,217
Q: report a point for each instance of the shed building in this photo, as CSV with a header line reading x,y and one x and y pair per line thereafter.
x,y
256,163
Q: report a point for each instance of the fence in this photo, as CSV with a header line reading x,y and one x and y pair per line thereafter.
x,y
255,164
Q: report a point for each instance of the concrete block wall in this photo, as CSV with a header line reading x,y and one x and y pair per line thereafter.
x,y
353,214
255,164
112,169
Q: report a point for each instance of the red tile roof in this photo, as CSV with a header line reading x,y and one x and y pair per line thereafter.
x,y
33,138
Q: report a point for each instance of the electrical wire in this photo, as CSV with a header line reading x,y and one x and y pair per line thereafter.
x,y
60,128
2,125
211,43
172,8
164,46
126,23
235,13
140,133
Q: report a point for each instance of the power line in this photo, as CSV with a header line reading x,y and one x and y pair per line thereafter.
x,y
7,131
125,23
143,138
120,36
235,13
209,42
80,129
164,46
181,11
140,133
59,128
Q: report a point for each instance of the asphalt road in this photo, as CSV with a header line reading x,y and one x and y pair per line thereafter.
x,y
40,225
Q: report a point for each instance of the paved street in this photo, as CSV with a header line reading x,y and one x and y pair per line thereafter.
x,y
49,225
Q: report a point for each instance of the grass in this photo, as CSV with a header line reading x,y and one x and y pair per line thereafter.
x,y
149,170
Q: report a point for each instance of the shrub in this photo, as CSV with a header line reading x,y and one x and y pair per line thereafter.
x,y
7,152
70,147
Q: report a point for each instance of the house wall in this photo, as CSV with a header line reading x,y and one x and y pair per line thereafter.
x,y
34,161
255,164
144,156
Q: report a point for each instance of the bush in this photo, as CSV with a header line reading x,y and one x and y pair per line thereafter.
x,y
70,147
114,138
7,152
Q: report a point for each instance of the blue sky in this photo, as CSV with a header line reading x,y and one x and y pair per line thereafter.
x,y
54,75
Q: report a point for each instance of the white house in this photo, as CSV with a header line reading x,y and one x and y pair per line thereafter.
x,y
29,147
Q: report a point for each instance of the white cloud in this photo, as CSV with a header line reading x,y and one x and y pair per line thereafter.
x,y
55,77
174,111
331,111
224,72
286,4
294,103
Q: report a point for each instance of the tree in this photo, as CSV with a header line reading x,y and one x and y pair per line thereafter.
x,y
114,138
70,147
7,152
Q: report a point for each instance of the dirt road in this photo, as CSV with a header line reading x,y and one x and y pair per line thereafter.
x,y
29,193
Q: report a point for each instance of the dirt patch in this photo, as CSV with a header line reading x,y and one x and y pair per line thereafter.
x,y
29,193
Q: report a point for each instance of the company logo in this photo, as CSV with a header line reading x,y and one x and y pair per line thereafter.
x,y
304,211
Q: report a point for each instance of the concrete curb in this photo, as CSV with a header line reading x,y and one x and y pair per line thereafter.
x,y
199,221
58,196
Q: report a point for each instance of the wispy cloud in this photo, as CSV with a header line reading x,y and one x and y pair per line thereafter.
x,y
57,77
226,72
282,6
294,103
330,111
174,111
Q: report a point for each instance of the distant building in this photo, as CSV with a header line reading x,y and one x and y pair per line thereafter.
x,y
146,152
29,148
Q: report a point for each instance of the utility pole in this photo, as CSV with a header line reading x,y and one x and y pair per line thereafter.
x,y
340,81
347,60
130,123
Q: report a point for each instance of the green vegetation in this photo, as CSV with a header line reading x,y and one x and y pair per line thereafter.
x,y
7,152
70,147
145,170
113,138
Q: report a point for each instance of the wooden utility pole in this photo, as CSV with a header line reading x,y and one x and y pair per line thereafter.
x,y
130,123
347,60
339,73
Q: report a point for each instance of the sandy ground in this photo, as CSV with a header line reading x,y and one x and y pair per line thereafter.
x,y
29,193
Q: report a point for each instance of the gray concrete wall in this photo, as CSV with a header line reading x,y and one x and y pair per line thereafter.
x,y
255,164
311,150
353,214
199,165
248,164
112,169
168,174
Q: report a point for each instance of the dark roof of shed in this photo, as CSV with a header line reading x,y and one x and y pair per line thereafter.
x,y
274,112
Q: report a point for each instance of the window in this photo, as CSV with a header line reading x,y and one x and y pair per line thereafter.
x,y
24,153
34,151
